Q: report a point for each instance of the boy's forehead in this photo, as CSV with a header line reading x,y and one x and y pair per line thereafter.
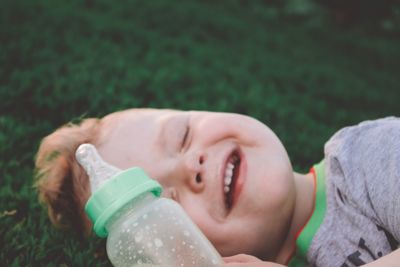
x,y
125,132
143,119
132,121
145,114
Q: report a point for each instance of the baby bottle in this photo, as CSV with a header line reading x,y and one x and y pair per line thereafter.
x,y
142,228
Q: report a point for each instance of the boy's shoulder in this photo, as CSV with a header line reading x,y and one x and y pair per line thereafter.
x,y
362,170
363,135
362,163
357,155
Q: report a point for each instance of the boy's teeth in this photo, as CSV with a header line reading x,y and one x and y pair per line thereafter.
x,y
226,189
228,173
228,176
232,163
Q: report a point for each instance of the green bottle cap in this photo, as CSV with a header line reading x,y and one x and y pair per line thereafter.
x,y
113,192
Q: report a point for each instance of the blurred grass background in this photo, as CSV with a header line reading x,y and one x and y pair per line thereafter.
x,y
304,67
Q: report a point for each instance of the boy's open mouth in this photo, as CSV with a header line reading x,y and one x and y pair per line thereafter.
x,y
230,176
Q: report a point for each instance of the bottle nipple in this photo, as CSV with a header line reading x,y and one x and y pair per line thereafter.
x,y
96,168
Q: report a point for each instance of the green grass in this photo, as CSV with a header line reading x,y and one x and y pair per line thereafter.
x,y
299,73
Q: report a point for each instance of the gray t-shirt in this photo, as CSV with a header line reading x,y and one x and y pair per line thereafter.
x,y
362,184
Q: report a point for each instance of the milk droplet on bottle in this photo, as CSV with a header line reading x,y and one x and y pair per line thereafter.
x,y
125,206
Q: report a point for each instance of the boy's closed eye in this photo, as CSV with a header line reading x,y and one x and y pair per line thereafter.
x,y
175,135
185,136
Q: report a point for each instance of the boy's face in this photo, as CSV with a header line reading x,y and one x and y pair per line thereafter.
x,y
229,172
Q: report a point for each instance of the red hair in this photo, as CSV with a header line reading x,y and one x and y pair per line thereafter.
x,y
62,184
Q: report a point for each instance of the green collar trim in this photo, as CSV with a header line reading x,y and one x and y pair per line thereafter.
x,y
303,241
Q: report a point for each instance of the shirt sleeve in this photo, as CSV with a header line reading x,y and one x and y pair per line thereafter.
x,y
368,157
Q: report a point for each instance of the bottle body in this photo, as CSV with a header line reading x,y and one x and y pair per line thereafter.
x,y
157,232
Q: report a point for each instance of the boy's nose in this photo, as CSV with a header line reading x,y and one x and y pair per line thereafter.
x,y
193,172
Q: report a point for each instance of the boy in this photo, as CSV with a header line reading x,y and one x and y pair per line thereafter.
x,y
233,177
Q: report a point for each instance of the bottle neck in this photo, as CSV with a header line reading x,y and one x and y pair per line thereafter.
x,y
131,208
